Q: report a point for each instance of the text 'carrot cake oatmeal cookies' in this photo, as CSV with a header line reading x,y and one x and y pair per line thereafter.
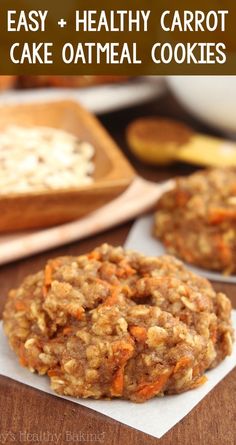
x,y
118,324
196,220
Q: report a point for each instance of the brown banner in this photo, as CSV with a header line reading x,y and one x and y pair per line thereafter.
x,y
122,37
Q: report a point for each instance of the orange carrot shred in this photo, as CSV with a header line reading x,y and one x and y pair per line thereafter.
x,y
200,381
127,290
48,275
150,389
218,215
214,335
139,333
80,313
181,198
48,271
53,373
20,305
112,299
118,383
122,350
47,279
182,363
67,330
105,283
125,270
22,358
94,255
223,249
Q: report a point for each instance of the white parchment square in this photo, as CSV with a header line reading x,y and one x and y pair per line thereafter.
x,y
154,417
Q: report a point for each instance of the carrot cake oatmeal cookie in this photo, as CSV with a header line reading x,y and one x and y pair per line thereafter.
x,y
68,81
196,220
114,323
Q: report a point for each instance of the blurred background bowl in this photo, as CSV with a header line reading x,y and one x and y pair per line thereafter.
x,y
210,98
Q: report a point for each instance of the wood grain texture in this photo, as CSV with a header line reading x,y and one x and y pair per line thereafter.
x,y
112,173
24,409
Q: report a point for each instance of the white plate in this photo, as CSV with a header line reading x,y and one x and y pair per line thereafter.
x,y
98,99
140,238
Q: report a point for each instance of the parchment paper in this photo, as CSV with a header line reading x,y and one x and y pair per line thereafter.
x,y
154,417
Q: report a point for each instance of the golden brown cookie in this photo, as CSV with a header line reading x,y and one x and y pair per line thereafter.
x,y
7,82
68,81
118,324
196,220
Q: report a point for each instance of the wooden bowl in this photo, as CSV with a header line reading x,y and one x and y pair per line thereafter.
x,y
112,176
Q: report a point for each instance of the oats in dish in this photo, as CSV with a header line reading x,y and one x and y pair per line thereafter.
x,y
196,220
36,159
114,323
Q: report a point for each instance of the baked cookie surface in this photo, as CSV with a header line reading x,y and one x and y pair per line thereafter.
x,y
114,323
196,220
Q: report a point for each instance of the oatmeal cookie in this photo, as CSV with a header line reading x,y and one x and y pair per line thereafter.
x,y
197,219
116,324
68,81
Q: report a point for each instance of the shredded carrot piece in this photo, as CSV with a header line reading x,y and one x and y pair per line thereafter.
x,y
148,390
233,189
127,290
182,363
130,270
105,283
125,270
67,330
94,255
22,358
181,198
47,279
112,299
139,333
122,350
200,381
218,215
184,317
53,373
48,275
223,249
48,271
117,386
109,269
20,305
79,313
214,335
